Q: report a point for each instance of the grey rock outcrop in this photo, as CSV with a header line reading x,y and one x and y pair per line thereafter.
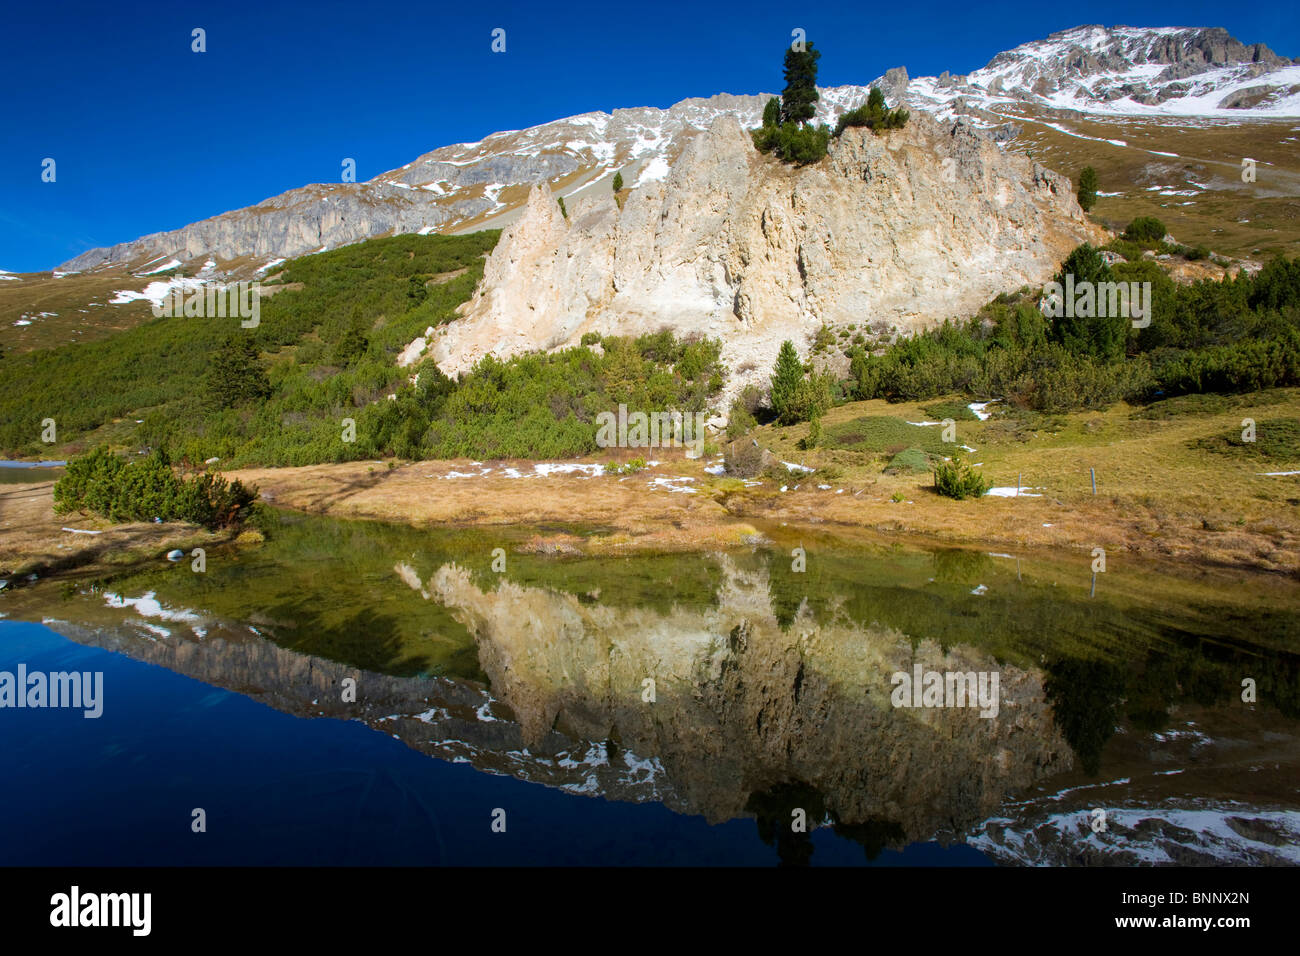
x,y
900,230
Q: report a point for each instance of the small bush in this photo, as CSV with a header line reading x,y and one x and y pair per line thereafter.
x,y
824,340
1277,439
1127,248
741,418
957,479
793,143
744,459
1087,193
873,114
814,436
957,412
627,468
1145,229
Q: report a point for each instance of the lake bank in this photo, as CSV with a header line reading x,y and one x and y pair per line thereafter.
x,y
677,506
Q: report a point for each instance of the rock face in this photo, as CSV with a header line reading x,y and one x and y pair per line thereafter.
x,y
292,224
896,231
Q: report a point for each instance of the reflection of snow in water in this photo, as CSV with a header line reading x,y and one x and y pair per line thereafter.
x,y
1169,834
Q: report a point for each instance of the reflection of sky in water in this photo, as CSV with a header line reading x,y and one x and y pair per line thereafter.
x,y
279,789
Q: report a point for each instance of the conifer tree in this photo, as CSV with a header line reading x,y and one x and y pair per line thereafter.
x,y
1088,188
236,374
786,378
799,101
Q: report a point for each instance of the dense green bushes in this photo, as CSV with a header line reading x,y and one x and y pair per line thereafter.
x,y
1237,334
874,114
326,353
793,143
1240,367
200,385
148,488
541,405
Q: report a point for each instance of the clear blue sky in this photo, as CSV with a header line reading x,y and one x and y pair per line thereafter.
x,y
148,135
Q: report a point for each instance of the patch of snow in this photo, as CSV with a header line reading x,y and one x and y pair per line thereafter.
x,y
1009,492
654,171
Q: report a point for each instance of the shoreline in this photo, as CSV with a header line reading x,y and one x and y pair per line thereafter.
x,y
643,518
673,507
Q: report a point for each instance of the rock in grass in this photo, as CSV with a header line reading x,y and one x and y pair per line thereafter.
x,y
175,554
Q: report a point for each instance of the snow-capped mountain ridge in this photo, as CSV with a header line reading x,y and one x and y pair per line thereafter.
x,y
1140,71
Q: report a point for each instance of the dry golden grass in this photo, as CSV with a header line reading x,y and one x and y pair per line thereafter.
x,y
33,539
1157,497
1243,220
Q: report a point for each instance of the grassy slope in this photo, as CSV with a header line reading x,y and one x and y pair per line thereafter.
x,y
1155,476
152,374
1231,217
79,304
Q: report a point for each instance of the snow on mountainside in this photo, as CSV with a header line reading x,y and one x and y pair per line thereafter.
x,y
1124,71
1129,71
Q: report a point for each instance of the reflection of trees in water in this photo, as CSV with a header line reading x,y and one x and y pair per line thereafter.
x,y
362,638
1085,698
873,834
959,566
1086,694
774,808
786,588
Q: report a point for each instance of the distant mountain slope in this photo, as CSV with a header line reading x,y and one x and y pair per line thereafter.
x,y
1129,71
1118,71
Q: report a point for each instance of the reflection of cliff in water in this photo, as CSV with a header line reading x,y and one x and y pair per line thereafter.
x,y
742,706
771,688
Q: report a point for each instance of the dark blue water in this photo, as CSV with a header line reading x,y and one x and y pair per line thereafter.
x,y
280,789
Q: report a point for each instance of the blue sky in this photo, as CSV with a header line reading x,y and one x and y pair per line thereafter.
x,y
148,135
